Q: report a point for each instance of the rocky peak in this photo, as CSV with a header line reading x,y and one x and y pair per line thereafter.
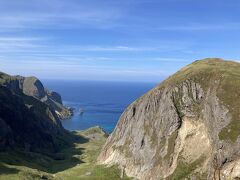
x,y
186,127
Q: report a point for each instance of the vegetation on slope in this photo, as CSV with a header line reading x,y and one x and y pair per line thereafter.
x,y
224,76
75,161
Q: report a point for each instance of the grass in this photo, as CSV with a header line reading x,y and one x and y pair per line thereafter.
x,y
5,78
230,95
76,162
184,169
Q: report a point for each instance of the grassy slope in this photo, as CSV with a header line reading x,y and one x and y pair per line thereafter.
x,y
76,162
3,77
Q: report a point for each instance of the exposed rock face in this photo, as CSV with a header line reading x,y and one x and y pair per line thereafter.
x,y
187,127
32,86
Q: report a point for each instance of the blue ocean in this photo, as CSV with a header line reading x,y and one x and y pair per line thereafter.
x,y
96,102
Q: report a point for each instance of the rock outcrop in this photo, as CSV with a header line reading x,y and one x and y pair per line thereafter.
x,y
186,127
32,86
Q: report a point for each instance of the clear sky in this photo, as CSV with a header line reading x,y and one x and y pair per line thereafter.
x,y
115,40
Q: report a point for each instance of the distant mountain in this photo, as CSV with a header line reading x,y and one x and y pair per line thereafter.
x,y
32,86
29,115
187,127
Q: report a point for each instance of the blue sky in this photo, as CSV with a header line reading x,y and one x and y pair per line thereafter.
x,y
115,40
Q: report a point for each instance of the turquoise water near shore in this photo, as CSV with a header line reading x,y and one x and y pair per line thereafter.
x,y
102,102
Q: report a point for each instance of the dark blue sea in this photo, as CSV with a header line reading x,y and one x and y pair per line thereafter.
x,y
101,102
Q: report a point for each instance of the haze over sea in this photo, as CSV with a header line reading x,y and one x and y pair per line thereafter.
x,y
102,102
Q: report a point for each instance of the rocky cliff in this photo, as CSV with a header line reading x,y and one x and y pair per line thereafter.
x,y
32,86
186,127
29,116
27,124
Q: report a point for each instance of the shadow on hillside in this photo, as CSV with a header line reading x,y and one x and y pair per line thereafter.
x,y
67,157
4,170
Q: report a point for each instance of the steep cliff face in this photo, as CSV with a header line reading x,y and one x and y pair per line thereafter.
x,y
187,127
29,118
28,124
32,86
